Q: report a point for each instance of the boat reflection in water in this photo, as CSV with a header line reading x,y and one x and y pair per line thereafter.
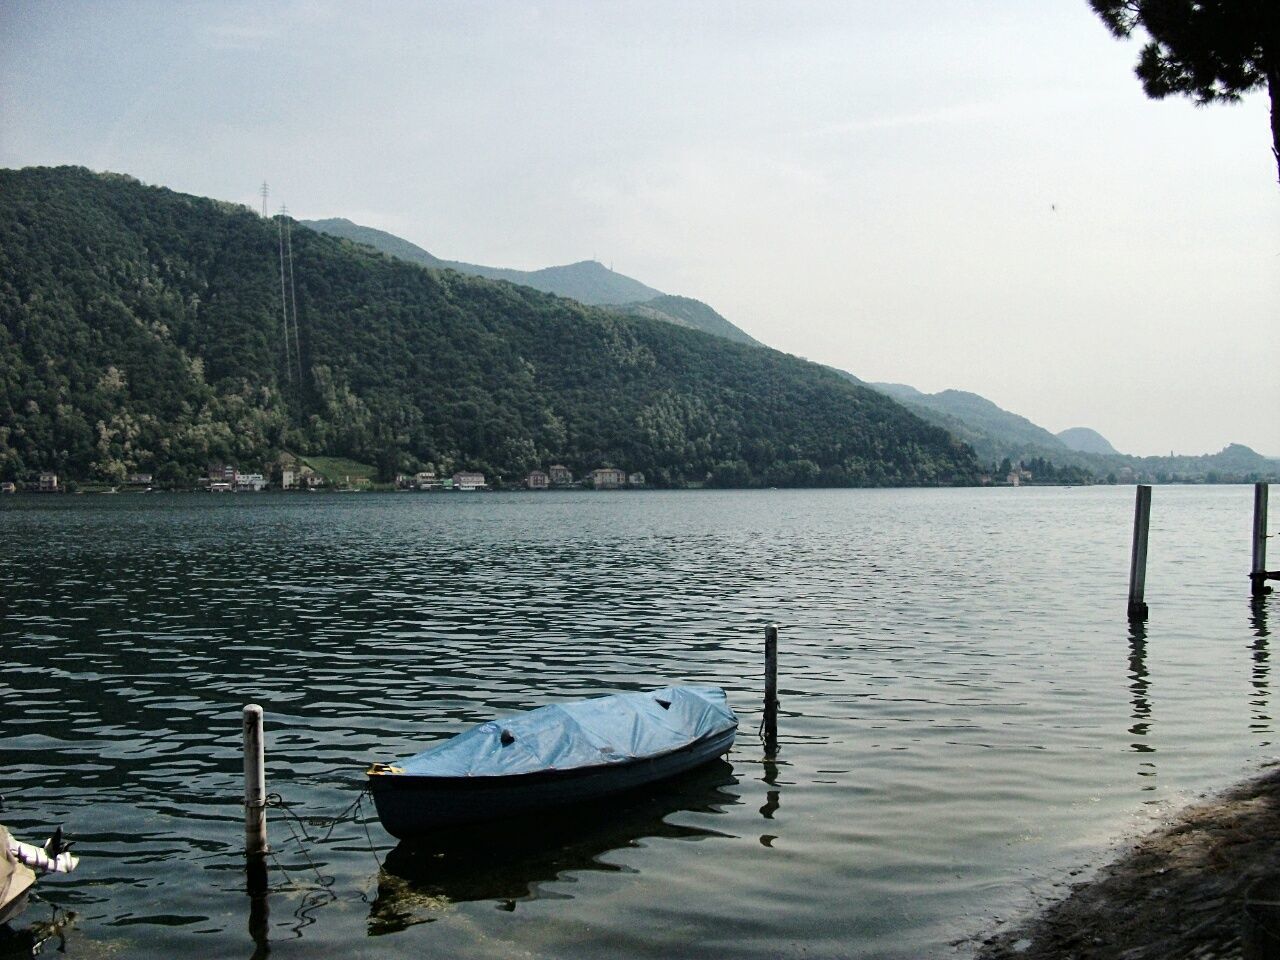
x,y
507,860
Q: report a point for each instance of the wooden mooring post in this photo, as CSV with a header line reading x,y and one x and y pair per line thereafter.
x,y
1138,559
255,800
1258,574
771,688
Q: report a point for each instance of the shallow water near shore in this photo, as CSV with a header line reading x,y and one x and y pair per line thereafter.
x,y
966,713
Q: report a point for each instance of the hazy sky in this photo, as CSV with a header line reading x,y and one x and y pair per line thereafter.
x,y
870,185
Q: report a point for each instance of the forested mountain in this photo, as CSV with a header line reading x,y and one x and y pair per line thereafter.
x,y
588,281
141,329
1085,440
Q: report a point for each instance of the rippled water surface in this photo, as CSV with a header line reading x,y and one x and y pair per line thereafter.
x,y
967,715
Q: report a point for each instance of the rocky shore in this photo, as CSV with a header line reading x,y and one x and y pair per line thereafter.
x,y
1206,885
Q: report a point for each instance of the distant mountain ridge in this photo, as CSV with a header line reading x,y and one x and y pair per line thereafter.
x,y
996,434
587,281
993,432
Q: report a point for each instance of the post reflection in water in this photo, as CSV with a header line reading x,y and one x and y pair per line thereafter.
x,y
1139,686
773,797
508,861
259,924
1261,721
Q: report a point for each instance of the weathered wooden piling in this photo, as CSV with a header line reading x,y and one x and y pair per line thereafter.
x,y
255,784
1138,559
1258,572
771,687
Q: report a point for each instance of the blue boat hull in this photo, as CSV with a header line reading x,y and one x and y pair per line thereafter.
x,y
412,806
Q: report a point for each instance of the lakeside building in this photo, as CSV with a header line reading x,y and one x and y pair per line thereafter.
x,y
467,480
221,473
288,479
635,479
561,476
250,482
219,486
537,480
48,483
608,478
138,480
8,487
426,480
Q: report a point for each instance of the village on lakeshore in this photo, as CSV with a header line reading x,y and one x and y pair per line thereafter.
x,y
339,475
300,474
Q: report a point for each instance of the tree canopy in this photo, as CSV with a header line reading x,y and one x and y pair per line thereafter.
x,y
1213,51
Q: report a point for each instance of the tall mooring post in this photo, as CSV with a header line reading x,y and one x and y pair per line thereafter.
x,y
1138,559
255,799
771,688
1258,571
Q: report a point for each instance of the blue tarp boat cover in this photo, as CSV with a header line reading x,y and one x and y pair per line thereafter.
x,y
586,733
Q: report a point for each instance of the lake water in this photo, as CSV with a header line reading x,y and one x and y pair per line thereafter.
x,y
967,716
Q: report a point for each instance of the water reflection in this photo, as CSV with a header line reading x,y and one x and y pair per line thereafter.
x,y
773,798
259,909
1140,702
35,937
1261,720
506,862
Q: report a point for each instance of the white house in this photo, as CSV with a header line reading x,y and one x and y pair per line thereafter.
x,y
466,480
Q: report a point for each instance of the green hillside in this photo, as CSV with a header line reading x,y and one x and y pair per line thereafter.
x,y
588,281
388,243
141,329
691,313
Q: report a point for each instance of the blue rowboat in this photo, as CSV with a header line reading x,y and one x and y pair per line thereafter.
x,y
552,757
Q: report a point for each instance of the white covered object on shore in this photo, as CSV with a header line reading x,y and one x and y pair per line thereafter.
x,y
38,859
15,879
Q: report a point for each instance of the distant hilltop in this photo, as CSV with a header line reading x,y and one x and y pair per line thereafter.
x,y
1085,440
587,281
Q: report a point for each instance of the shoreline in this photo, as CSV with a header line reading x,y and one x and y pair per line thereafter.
x,y
1178,891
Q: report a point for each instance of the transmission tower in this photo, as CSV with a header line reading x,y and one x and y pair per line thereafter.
x,y
265,191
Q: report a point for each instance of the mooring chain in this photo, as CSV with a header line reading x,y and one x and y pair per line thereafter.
x,y
777,704
352,811
275,800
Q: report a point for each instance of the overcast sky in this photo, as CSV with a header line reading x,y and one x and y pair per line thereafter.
x,y
946,194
